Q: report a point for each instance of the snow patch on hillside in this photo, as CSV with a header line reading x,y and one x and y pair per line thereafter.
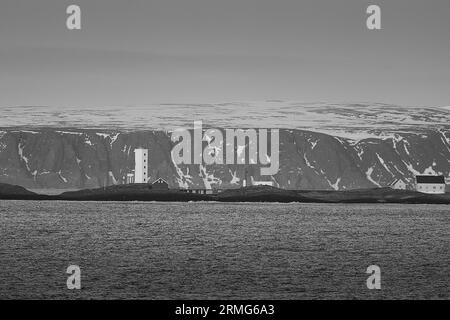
x,y
111,175
380,159
70,132
234,178
208,179
62,177
411,169
369,176
430,170
335,185
111,136
22,156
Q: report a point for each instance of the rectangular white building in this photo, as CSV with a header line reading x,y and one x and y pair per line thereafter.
x,y
262,183
430,184
140,165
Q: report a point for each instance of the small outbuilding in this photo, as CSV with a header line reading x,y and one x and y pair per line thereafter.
x,y
160,184
130,178
398,184
262,183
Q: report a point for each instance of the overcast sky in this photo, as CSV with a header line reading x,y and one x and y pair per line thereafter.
x,y
137,52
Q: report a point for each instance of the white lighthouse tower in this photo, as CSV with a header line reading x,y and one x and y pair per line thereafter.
x,y
140,165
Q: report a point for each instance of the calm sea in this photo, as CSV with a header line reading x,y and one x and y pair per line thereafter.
x,y
216,250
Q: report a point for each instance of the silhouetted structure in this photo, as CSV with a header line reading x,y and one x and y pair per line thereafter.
x,y
160,184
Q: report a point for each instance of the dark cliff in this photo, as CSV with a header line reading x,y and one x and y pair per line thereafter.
x,y
82,158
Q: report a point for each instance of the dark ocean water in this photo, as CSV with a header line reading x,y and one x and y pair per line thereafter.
x,y
216,250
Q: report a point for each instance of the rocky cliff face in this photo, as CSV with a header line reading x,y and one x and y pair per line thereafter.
x,y
88,158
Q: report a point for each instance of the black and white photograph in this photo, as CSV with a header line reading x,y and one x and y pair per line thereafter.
x,y
198,151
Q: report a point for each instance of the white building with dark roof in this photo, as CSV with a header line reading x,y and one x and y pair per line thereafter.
x,y
430,184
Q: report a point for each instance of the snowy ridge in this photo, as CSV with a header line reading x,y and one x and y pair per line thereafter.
x,y
355,121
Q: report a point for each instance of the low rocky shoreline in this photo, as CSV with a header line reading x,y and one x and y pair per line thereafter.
x,y
139,192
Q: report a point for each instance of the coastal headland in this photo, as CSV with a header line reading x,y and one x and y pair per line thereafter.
x,y
144,192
